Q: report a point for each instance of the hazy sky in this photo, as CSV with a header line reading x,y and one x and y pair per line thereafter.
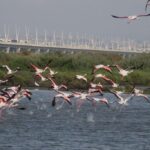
x,y
92,17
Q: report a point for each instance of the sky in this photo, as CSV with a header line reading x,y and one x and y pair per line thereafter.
x,y
91,17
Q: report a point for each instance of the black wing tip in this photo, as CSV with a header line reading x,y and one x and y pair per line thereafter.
x,y
114,16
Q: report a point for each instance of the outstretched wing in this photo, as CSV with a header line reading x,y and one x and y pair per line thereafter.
x,y
143,15
123,17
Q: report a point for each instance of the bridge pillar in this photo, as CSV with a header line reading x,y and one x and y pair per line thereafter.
x,y
18,50
124,55
38,51
29,49
48,50
7,49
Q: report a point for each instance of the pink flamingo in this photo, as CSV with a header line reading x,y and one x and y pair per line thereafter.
x,y
131,18
97,67
106,79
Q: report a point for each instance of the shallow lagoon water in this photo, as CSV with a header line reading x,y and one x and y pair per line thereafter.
x,y
41,127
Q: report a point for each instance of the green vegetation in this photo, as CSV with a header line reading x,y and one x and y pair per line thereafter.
x,y
69,64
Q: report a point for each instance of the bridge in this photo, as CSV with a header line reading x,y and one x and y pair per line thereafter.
x,y
45,47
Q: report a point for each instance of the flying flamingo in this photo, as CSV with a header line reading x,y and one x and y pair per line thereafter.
x,y
96,88
81,77
66,97
55,86
81,97
52,72
106,79
38,70
39,75
93,90
9,71
123,72
23,93
42,78
10,92
97,67
131,18
139,92
122,100
101,100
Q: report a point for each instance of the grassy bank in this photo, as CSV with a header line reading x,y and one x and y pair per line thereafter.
x,y
70,64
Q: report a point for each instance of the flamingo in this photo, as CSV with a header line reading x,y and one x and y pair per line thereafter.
x,y
93,90
41,77
9,71
96,88
101,100
81,98
93,85
55,86
139,93
21,94
10,95
38,70
97,67
52,72
106,79
122,100
26,93
147,4
123,72
131,18
81,77
63,95
10,92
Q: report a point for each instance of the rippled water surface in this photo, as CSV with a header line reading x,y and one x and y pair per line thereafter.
x,y
41,127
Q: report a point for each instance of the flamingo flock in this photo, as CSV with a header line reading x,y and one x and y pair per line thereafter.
x,y
95,94
134,17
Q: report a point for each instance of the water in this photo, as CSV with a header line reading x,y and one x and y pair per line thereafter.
x,y
41,127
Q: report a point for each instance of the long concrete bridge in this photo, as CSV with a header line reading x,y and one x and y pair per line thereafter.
x,y
14,46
